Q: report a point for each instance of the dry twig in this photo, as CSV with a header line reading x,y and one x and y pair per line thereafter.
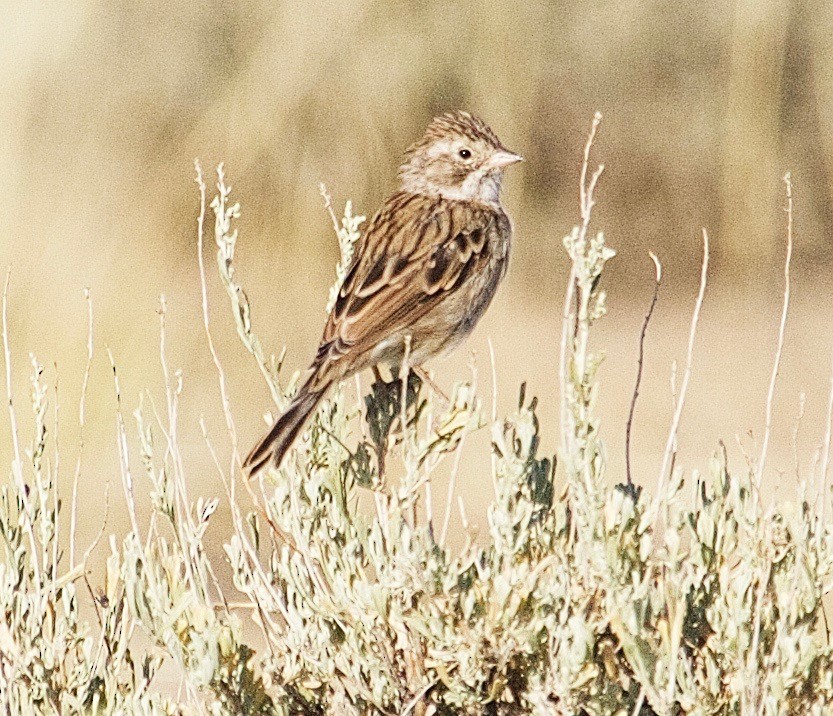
x,y
629,425
781,331
670,449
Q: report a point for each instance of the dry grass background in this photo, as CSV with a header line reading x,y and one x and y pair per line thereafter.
x,y
104,105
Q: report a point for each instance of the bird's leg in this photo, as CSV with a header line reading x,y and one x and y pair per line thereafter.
x,y
426,378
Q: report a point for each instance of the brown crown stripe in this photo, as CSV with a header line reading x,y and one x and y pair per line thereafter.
x,y
460,123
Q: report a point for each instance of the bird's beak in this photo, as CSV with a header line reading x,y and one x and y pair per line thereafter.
x,y
504,158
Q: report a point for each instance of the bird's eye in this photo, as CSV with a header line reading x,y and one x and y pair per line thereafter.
x,y
465,153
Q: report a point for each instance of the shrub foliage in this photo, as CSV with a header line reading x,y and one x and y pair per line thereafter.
x,y
581,598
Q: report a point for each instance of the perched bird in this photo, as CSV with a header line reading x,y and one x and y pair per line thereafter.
x,y
424,270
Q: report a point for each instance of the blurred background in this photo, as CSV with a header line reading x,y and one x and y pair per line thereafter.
x,y
104,106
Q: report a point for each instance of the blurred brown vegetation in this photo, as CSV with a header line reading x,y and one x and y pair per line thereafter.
x,y
104,105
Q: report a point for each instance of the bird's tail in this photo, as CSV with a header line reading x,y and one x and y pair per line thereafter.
x,y
274,446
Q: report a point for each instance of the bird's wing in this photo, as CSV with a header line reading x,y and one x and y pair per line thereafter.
x,y
414,252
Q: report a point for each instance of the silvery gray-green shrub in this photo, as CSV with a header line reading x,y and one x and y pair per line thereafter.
x,y
581,598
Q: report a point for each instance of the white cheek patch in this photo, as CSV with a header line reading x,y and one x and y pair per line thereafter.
x,y
481,184
438,149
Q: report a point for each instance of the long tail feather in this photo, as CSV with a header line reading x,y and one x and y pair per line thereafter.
x,y
273,447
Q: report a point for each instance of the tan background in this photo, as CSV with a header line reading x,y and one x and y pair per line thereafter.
x,y
104,105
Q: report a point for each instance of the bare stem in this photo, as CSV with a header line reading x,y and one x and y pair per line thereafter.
x,y
802,402
564,354
657,282
452,483
17,468
695,318
124,458
82,420
493,414
825,460
781,330
585,192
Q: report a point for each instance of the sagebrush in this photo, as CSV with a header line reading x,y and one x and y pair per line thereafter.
x,y
582,598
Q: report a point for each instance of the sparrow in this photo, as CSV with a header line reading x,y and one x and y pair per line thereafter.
x,y
424,270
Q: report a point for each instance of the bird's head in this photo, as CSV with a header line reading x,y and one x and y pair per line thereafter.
x,y
459,157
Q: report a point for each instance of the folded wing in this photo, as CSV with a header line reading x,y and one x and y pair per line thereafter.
x,y
415,251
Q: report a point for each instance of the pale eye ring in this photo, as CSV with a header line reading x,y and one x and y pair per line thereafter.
x,y
465,153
